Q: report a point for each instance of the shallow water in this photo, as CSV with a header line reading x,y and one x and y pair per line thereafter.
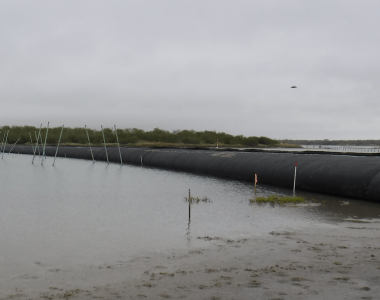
x,y
80,212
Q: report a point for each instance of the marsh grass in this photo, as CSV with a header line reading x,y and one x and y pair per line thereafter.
x,y
197,199
278,200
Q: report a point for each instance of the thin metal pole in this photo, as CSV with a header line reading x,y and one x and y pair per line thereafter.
x,y
121,160
43,151
13,146
295,174
37,137
93,160
255,184
105,144
31,141
58,145
42,143
1,149
5,144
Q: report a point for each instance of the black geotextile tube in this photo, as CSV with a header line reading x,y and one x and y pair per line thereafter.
x,y
343,175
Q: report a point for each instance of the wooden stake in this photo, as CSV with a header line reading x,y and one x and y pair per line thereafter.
x,y
43,151
37,137
121,160
58,145
105,144
93,160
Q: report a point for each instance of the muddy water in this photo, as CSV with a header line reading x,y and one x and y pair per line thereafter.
x,y
80,212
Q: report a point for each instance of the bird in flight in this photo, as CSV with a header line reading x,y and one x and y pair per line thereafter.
x,y
293,87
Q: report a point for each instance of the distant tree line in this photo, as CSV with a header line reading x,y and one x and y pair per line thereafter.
x,y
131,136
335,142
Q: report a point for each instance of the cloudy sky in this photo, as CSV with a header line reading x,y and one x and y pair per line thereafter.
x,y
188,64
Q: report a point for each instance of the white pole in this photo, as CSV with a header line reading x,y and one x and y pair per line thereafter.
x,y
255,184
295,175
42,144
37,137
93,160
31,140
217,146
1,149
13,146
5,144
121,160
43,151
104,139
58,145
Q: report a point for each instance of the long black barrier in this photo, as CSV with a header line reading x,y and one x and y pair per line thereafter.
x,y
343,175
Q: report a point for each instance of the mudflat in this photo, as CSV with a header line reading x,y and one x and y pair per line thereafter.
x,y
323,262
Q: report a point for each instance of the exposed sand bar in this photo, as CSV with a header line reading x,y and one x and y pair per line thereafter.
x,y
325,262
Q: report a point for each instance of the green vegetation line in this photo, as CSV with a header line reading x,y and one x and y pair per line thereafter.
x,y
138,137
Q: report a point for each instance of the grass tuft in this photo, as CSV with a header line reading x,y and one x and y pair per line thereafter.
x,y
197,199
278,200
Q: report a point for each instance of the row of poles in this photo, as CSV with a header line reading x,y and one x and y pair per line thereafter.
x,y
43,144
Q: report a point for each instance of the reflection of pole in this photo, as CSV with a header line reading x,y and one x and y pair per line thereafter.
x,y
37,137
295,175
141,161
188,229
93,160
43,151
121,160
5,144
189,205
13,146
105,144
58,144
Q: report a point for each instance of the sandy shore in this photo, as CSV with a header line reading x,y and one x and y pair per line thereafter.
x,y
329,262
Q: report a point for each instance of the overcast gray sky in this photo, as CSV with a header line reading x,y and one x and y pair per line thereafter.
x,y
203,65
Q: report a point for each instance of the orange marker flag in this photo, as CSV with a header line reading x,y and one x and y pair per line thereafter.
x,y
255,178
